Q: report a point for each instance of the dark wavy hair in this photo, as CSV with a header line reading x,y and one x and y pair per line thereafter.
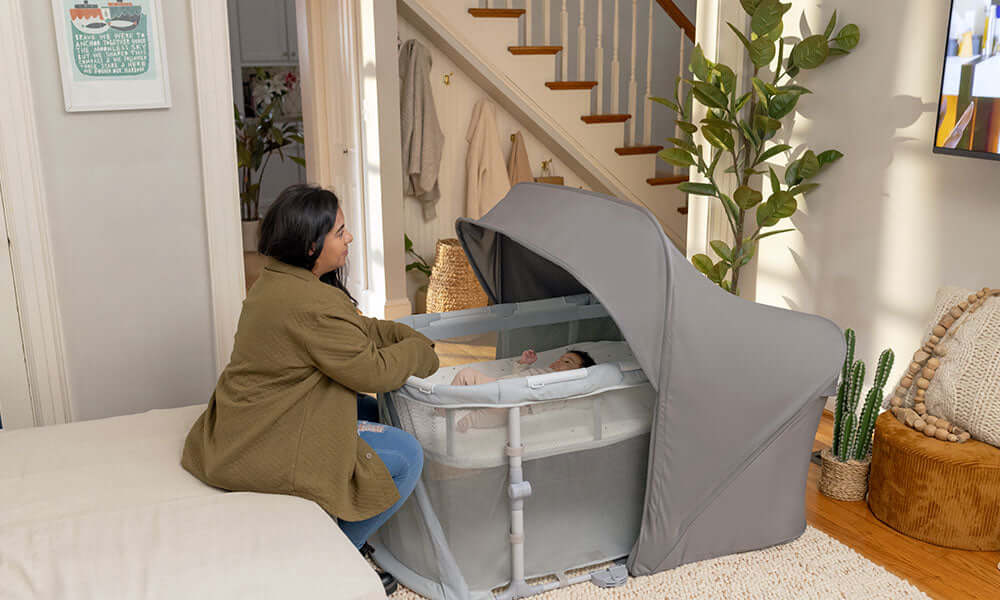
x,y
298,222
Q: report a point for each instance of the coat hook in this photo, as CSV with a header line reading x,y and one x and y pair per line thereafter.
x,y
447,78
513,136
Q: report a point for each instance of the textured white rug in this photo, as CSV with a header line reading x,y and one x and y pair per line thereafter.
x,y
813,567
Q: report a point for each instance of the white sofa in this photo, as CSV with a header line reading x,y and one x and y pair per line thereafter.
x,y
102,509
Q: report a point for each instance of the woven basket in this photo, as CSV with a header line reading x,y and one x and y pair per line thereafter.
x,y
453,285
847,481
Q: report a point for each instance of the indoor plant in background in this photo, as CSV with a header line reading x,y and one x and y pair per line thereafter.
x,y
742,117
420,299
845,466
258,138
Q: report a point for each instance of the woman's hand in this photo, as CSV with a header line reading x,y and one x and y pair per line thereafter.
x,y
528,357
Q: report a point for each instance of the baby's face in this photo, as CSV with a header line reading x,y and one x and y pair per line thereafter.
x,y
567,362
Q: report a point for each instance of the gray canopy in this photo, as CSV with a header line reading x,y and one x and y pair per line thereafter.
x,y
740,385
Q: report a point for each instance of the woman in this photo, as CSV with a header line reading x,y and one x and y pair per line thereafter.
x,y
283,418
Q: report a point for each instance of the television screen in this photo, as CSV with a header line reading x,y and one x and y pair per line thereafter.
x,y
968,121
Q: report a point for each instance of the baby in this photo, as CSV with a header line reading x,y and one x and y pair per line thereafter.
x,y
494,417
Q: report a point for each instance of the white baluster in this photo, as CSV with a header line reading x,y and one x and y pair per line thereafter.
x,y
633,87
564,17
527,22
615,66
508,4
599,58
647,117
581,45
546,15
678,133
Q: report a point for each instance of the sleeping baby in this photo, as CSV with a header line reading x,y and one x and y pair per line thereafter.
x,y
494,417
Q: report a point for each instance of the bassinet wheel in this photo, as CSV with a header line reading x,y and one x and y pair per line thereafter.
x,y
942,493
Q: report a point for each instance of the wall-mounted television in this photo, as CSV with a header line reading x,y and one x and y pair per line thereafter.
x,y
968,122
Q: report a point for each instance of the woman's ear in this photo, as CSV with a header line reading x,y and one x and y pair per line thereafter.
x,y
312,250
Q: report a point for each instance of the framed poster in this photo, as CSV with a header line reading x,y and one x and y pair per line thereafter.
x,y
111,54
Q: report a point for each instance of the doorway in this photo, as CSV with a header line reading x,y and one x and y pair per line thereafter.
x,y
266,78
15,401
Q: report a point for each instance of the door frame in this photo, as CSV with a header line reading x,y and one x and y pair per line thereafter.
x,y
25,209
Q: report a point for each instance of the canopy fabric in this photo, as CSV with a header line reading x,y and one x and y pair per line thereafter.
x,y
740,385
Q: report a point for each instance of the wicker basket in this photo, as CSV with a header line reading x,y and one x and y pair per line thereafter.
x,y
847,481
453,285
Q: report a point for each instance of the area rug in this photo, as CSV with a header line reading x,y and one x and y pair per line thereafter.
x,y
813,567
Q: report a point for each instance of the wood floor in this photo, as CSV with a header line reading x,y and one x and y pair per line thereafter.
x,y
939,572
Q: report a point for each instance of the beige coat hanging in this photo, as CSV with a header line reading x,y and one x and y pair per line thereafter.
x,y
486,175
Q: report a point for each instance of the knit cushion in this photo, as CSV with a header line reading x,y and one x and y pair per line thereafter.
x,y
938,492
965,389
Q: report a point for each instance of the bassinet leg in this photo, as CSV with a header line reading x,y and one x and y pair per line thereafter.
x,y
519,490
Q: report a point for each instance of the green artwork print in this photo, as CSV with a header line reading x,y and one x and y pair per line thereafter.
x,y
110,40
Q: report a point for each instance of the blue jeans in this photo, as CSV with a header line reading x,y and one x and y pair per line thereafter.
x,y
403,456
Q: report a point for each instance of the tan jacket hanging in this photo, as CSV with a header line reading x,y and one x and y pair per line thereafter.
x,y
519,166
486,175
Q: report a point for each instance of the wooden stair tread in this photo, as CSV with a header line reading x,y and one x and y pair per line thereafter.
x,y
570,85
667,180
592,119
523,50
683,210
496,13
632,150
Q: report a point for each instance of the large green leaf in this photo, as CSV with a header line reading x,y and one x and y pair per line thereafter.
x,y
298,160
750,5
775,232
792,173
746,197
689,128
762,51
775,184
848,37
773,151
699,66
828,157
742,101
765,215
810,52
668,103
763,96
831,26
766,125
709,95
726,76
722,249
698,189
716,122
677,157
703,263
803,188
791,89
767,16
781,105
809,165
684,144
783,204
718,137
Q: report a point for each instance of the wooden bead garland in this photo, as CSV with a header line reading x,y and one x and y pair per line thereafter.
x,y
926,360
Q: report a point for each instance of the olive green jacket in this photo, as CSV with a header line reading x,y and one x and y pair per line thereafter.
x,y
283,418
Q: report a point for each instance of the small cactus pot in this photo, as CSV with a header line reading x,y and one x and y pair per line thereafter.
x,y
845,481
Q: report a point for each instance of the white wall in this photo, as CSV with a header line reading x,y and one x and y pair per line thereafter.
x,y
454,105
128,235
892,222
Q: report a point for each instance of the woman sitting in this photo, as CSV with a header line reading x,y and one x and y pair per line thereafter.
x,y
283,418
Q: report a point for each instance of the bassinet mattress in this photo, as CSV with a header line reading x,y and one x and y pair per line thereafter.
x,y
103,509
605,404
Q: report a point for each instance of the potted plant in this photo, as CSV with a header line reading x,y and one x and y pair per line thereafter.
x,y
420,299
845,467
258,138
742,117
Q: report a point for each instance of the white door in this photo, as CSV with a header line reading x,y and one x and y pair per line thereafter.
x,y
15,403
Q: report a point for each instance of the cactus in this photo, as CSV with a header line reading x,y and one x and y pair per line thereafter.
x,y
863,443
852,433
850,416
845,379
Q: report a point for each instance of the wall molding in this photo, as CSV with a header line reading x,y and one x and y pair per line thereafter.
x,y
25,206
220,186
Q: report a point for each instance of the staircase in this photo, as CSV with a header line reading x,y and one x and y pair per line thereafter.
x,y
567,91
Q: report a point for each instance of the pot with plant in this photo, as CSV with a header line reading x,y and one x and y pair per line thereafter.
x,y
258,139
419,265
845,466
742,117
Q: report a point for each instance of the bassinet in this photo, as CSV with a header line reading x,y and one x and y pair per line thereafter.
x,y
691,442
